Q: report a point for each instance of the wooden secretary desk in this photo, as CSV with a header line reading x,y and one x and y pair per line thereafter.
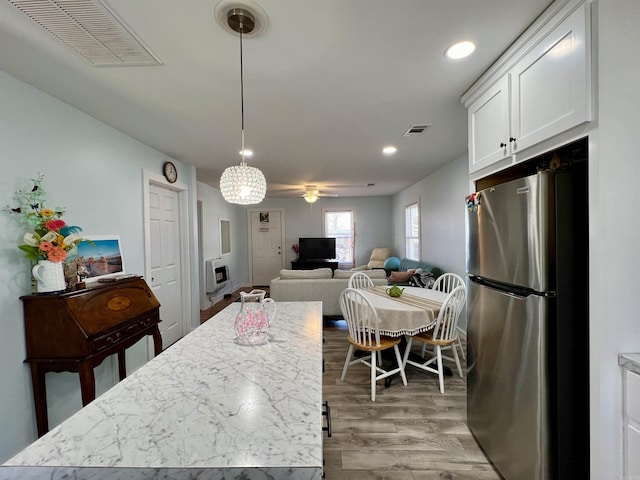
x,y
75,331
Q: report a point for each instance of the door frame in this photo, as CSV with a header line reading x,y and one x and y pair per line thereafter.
x,y
250,241
150,178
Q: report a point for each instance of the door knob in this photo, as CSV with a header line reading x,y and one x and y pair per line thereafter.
x,y
511,139
502,145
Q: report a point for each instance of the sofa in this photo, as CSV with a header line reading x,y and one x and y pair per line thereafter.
x,y
401,275
320,284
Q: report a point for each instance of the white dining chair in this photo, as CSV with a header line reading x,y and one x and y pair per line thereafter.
x,y
364,334
446,283
443,336
360,280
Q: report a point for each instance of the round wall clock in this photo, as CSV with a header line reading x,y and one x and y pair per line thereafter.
x,y
170,172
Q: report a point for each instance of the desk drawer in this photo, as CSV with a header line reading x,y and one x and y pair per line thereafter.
x,y
125,332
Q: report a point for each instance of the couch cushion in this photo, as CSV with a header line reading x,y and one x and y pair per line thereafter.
x,y
378,256
294,274
370,273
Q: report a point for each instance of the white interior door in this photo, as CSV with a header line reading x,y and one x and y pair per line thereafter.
x,y
165,281
266,245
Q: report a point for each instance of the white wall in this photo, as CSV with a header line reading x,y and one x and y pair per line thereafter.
x,y
213,209
614,226
96,173
442,216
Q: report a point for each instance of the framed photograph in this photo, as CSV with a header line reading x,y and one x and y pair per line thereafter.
x,y
100,257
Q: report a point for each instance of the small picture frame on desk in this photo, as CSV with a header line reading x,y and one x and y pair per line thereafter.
x,y
97,257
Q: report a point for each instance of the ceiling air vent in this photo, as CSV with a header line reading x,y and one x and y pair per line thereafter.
x,y
91,29
415,130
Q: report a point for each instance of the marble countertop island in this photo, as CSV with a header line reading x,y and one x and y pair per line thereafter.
x,y
205,408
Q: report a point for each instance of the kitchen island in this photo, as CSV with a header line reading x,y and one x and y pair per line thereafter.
x,y
205,408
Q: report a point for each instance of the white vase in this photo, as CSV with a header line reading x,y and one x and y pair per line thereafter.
x,y
49,276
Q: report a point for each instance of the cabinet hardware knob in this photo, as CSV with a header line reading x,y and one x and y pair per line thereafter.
x,y
511,139
503,145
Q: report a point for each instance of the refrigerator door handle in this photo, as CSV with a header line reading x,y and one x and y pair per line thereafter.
x,y
512,290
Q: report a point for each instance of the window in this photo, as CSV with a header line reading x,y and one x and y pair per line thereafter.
x,y
412,231
340,225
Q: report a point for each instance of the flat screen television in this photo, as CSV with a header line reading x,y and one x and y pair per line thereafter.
x,y
317,248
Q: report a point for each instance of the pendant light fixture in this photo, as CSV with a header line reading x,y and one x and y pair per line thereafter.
x,y
242,184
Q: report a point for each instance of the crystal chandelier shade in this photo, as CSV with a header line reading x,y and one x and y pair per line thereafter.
x,y
242,184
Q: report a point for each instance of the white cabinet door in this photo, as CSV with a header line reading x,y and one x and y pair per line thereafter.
x,y
550,85
488,118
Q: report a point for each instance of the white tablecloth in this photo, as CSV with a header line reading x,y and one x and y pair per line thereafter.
x,y
414,312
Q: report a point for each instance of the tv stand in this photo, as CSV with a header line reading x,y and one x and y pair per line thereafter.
x,y
313,264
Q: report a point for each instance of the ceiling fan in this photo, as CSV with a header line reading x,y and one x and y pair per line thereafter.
x,y
310,192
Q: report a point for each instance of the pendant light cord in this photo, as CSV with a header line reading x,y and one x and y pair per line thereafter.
x,y
242,96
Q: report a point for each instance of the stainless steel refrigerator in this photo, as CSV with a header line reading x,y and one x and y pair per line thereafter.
x,y
527,340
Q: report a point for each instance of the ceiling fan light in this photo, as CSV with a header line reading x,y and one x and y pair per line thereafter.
x,y
243,185
310,197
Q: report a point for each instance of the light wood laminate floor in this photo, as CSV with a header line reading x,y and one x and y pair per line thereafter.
x,y
408,433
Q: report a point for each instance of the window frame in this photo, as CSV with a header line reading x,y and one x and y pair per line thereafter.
x,y
351,211
407,237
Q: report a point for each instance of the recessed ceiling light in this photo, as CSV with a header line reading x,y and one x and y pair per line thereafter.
x,y
389,150
460,50
247,152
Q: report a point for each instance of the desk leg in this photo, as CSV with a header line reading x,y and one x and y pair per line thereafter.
x,y
40,398
87,382
157,341
122,365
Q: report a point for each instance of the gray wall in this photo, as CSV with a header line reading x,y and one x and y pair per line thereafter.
x,y
372,218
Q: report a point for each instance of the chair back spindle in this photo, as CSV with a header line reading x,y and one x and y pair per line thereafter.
x,y
447,282
360,280
447,321
361,317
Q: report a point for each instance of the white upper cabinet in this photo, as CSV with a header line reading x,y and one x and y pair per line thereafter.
x,y
545,91
550,85
489,126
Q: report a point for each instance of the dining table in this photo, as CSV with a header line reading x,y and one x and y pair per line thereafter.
x,y
414,311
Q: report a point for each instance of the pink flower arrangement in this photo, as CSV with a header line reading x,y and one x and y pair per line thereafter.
x,y
295,247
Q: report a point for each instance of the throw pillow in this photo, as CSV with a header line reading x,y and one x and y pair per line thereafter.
x,y
401,276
